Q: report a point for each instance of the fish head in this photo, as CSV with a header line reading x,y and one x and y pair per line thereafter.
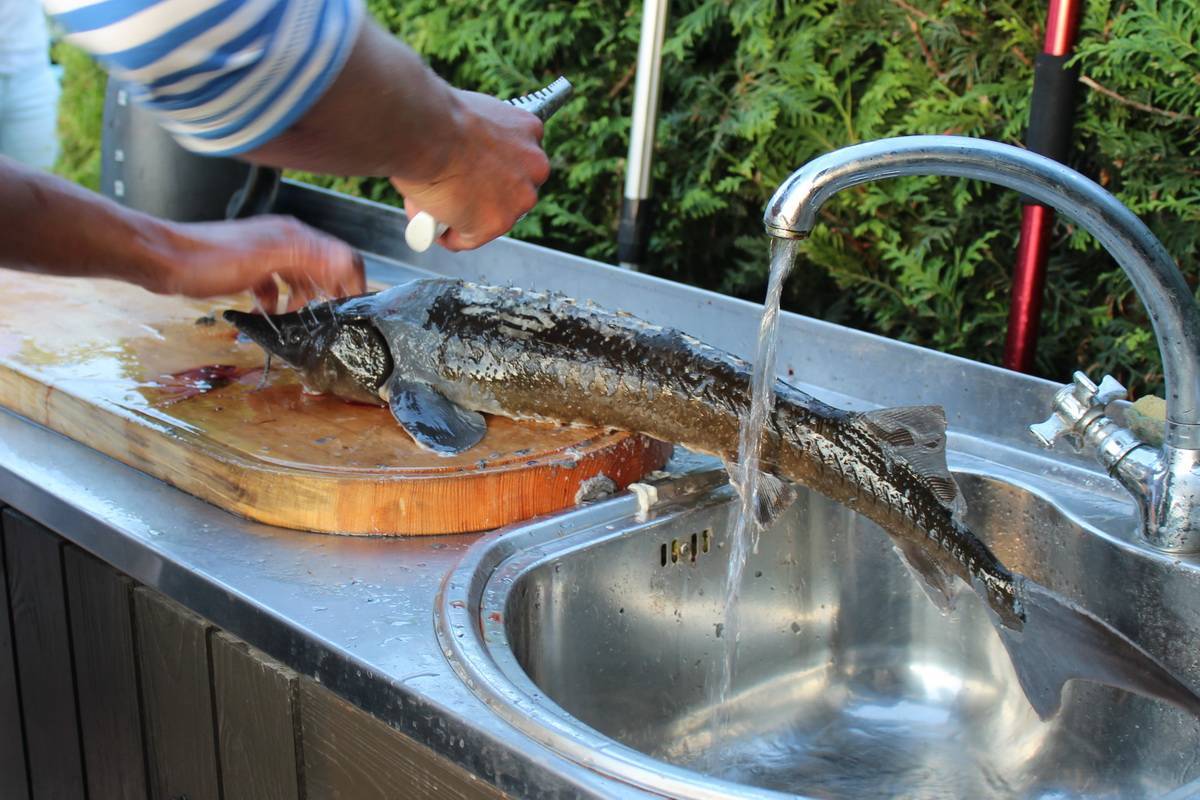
x,y
334,348
298,339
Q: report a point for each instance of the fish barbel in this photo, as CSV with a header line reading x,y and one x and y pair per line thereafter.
x,y
440,353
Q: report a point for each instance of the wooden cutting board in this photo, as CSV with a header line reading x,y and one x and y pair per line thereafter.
x,y
158,383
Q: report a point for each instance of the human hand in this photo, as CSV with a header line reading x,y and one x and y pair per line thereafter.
x,y
489,177
204,259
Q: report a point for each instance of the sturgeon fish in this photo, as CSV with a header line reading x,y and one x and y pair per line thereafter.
x,y
440,353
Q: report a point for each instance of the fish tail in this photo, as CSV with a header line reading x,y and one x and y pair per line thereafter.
x,y
1060,641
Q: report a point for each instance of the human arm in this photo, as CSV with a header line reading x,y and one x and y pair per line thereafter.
x,y
310,84
470,160
54,227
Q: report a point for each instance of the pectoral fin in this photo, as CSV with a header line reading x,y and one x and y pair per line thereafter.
x,y
775,496
434,422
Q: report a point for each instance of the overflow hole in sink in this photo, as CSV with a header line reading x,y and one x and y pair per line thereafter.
x,y
687,549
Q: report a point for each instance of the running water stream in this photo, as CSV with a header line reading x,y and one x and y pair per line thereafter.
x,y
1097,652
745,475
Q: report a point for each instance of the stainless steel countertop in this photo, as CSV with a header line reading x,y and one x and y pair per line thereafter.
x,y
356,614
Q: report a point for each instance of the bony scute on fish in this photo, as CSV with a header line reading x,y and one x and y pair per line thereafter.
x,y
440,353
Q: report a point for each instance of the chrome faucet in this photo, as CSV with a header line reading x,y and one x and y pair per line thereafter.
x,y
1165,482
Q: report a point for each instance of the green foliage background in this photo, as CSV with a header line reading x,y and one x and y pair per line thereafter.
x,y
754,88
80,116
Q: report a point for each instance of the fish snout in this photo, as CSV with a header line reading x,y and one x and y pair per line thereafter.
x,y
234,318
274,335
256,326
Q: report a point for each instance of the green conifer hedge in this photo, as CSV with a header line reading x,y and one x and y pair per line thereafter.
x,y
754,88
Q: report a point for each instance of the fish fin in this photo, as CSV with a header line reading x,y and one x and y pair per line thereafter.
x,y
775,495
917,435
434,422
938,584
1061,641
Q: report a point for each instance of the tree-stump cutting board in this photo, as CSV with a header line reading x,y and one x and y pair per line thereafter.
x,y
158,383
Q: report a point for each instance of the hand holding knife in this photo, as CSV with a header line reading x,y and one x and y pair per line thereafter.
x,y
423,230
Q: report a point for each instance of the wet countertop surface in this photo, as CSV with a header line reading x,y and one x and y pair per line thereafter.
x,y
357,614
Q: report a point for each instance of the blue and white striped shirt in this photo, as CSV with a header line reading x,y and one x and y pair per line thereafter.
x,y
225,75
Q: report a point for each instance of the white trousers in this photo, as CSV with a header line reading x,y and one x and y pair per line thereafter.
x,y
29,116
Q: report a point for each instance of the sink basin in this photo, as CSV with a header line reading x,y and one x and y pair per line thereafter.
x,y
600,634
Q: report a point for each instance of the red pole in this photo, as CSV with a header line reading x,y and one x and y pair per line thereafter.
x,y
1062,23
1029,276
1049,133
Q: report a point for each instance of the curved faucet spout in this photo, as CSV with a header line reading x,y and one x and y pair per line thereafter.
x,y
792,213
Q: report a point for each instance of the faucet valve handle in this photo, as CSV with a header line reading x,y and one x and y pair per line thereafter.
x,y
1049,432
1076,406
1110,389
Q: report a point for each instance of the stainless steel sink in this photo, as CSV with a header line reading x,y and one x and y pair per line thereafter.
x,y
600,634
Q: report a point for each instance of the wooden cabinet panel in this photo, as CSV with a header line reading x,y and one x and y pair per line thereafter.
x,y
101,604
42,638
177,702
349,755
14,782
257,723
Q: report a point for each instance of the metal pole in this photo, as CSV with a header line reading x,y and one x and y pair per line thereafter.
x,y
1050,119
634,230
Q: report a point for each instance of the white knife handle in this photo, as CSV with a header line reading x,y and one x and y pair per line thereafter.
x,y
422,231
